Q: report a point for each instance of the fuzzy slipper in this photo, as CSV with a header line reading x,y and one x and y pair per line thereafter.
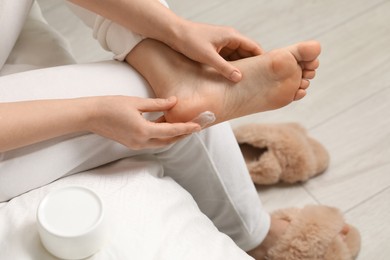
x,y
280,153
314,233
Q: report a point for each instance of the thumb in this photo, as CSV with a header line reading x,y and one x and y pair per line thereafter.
x,y
156,104
225,68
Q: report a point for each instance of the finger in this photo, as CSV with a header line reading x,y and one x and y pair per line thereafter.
x,y
226,52
224,67
235,50
245,44
244,53
165,130
252,48
229,54
156,104
232,55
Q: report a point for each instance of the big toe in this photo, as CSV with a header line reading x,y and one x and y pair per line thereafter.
x,y
306,51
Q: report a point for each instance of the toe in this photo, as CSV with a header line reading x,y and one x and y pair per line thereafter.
x,y
310,65
304,84
306,51
308,74
300,94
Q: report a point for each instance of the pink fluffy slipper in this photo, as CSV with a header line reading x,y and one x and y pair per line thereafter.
x,y
314,233
280,153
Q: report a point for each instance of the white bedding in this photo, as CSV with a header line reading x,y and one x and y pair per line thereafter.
x,y
151,217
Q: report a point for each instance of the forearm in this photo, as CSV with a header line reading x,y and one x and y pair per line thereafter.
x,y
28,122
149,18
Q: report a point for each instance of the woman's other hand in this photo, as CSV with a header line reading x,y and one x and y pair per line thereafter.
x,y
120,118
215,46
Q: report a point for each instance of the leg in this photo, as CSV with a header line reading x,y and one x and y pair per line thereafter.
x,y
45,162
270,81
283,81
210,166
40,164
220,185
24,169
237,213
138,206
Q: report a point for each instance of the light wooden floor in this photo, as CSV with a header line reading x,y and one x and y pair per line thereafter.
x,y
347,108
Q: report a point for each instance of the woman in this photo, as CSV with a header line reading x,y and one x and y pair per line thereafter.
x,y
83,116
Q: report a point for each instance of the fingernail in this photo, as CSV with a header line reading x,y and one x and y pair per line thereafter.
x,y
235,76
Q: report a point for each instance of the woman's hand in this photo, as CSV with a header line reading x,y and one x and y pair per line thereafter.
x,y
204,43
214,46
120,118
116,117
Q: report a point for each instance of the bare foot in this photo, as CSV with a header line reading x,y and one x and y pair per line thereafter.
x,y
270,81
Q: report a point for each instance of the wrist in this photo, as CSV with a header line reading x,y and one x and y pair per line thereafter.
x,y
156,21
93,112
175,33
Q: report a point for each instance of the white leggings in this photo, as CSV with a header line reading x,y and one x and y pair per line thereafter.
x,y
209,165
